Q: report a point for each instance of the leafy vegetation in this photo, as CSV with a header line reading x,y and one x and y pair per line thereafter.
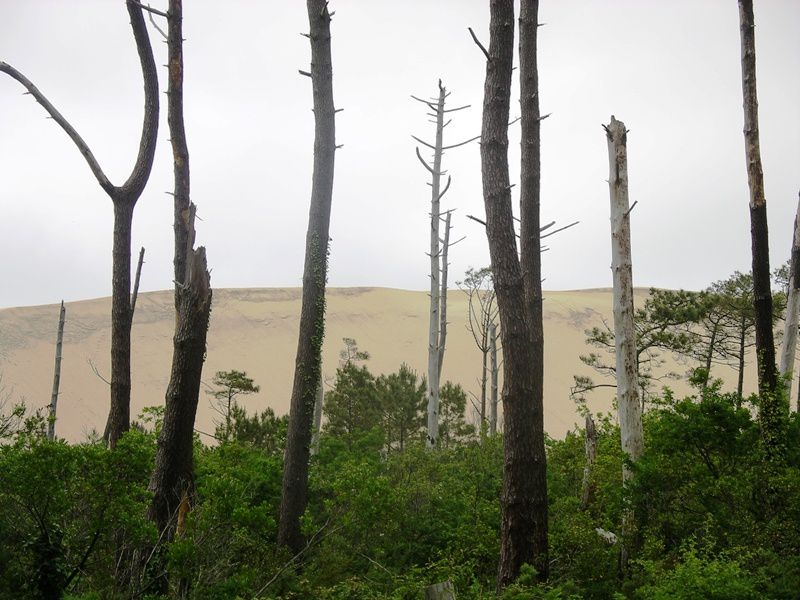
x,y
386,520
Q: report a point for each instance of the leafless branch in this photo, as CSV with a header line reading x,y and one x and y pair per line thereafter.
x,y
477,137
481,46
304,73
560,229
424,143
422,160
136,281
477,220
96,372
157,28
149,9
446,187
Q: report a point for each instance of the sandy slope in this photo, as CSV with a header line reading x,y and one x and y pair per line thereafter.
x,y
255,330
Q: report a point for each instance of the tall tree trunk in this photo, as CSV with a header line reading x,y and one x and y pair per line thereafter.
x,y
294,495
771,404
522,518
435,289
710,355
628,406
493,398
484,379
172,481
124,199
535,459
51,421
789,346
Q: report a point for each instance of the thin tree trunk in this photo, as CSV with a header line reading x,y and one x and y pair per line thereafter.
x,y
771,405
628,406
294,495
789,346
435,289
51,421
710,355
484,378
493,398
172,481
443,296
588,486
135,294
740,378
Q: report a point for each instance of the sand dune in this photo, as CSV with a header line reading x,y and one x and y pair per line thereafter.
x,y
255,330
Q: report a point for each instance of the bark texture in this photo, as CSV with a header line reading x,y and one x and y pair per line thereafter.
x,y
590,448
523,502
771,409
319,401
51,423
789,346
629,408
494,373
172,481
124,199
630,411
294,496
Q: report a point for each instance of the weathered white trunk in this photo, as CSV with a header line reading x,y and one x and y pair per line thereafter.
x,y
493,363
51,421
440,591
789,346
587,489
443,294
628,407
630,412
433,325
318,401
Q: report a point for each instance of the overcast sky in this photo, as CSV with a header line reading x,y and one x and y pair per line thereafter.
x,y
669,70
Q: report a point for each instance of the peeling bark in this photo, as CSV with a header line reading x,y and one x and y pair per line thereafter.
x,y
789,346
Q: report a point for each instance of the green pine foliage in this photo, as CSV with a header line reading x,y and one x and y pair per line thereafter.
x,y
388,517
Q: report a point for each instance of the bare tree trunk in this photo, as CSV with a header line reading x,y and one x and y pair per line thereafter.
x,y
789,346
588,486
124,199
771,408
484,379
443,296
312,318
51,421
629,409
172,481
523,528
136,280
493,397
318,402
435,289
740,374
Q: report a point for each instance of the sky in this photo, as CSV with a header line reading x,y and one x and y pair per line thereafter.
x,y
669,70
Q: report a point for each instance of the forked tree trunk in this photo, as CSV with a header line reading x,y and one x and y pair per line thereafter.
x,y
523,528
789,346
294,496
124,199
172,481
771,405
628,406
494,376
51,421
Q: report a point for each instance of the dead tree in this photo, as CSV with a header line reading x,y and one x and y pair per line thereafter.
x,y
628,406
319,400
481,318
493,381
51,421
124,199
789,346
523,526
771,405
172,481
294,496
437,326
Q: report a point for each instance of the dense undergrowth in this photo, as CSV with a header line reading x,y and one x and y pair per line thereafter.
x,y
713,521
